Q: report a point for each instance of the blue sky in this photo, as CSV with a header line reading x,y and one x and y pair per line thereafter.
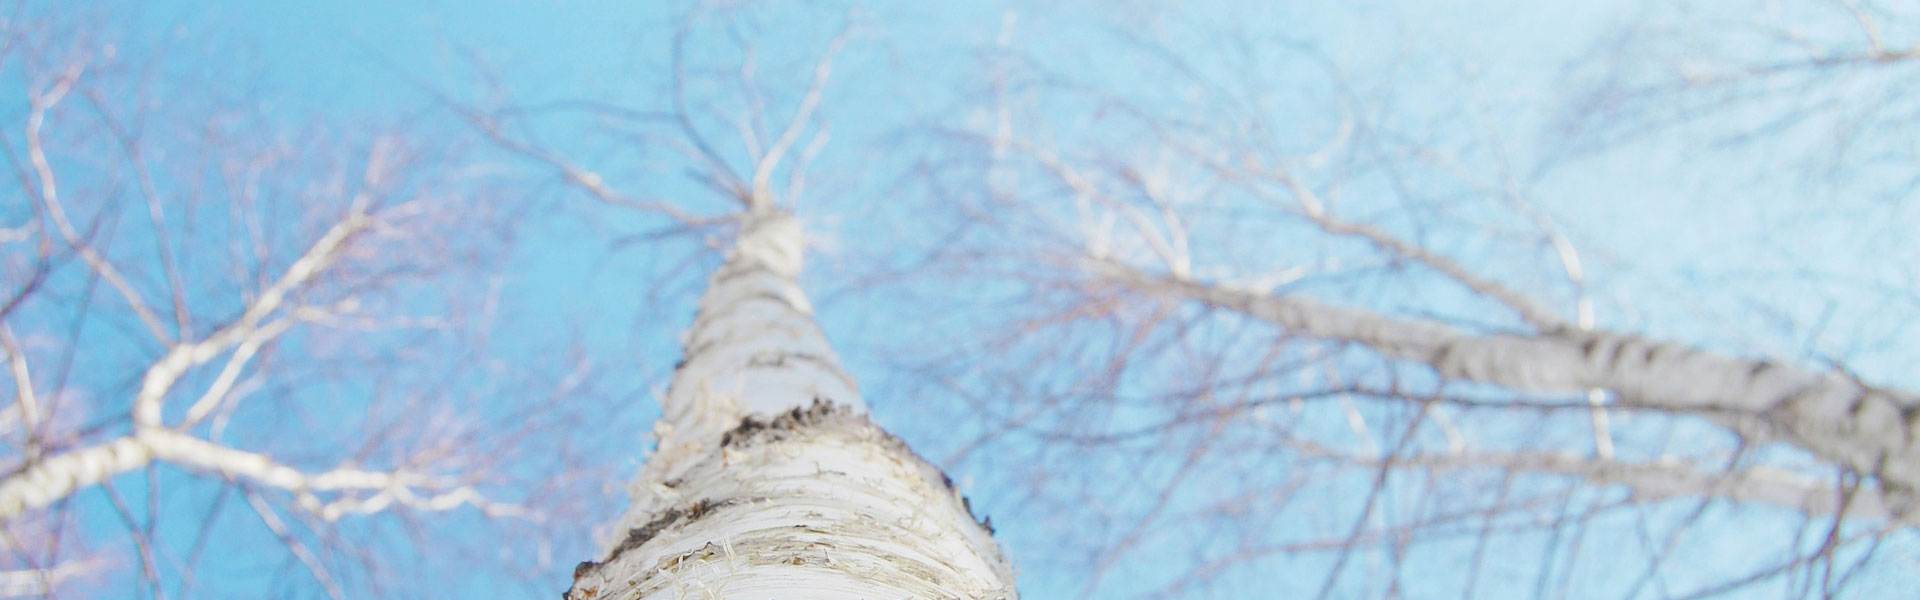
x,y
1687,235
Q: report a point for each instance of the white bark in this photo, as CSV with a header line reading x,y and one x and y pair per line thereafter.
x,y
769,482
271,313
59,476
41,583
1866,429
1659,479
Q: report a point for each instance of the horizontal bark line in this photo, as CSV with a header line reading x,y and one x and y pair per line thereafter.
x,y
1867,429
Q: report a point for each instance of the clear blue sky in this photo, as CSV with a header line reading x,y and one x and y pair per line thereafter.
x,y
1657,218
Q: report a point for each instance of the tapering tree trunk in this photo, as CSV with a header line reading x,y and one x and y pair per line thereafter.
x,y
769,482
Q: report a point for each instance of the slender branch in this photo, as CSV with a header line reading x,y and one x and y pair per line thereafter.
x,y
222,386
42,581
763,169
1659,479
156,214
50,199
573,175
1171,252
299,549
1529,311
22,391
719,173
160,377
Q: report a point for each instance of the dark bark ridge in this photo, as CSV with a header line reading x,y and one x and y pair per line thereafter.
x,y
822,415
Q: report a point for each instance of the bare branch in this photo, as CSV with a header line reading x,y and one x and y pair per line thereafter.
x,y
299,549
1660,479
160,377
1863,428
48,185
573,175
715,165
41,582
61,475
24,396
764,167
1315,210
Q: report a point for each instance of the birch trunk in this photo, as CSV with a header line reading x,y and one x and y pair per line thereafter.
x,y
769,481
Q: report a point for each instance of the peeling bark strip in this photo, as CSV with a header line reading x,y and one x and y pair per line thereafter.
x,y
1866,429
769,481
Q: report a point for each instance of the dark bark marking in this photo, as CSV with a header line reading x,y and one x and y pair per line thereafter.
x,y
1856,404
1655,354
1440,358
1909,421
731,271
759,296
1619,354
639,536
780,359
823,412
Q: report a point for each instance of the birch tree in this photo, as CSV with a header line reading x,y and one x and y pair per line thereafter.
x,y
272,326
1326,315
1205,300
1275,311
767,478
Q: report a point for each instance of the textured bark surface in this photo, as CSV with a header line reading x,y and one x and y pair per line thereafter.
x,y
815,503
769,481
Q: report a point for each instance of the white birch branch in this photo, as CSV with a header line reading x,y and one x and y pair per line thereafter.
x,y
767,163
1836,417
50,199
160,377
38,583
61,475
24,396
574,175
1659,479
1529,311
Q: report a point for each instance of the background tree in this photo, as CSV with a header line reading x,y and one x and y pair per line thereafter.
x,y
1328,317
227,331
